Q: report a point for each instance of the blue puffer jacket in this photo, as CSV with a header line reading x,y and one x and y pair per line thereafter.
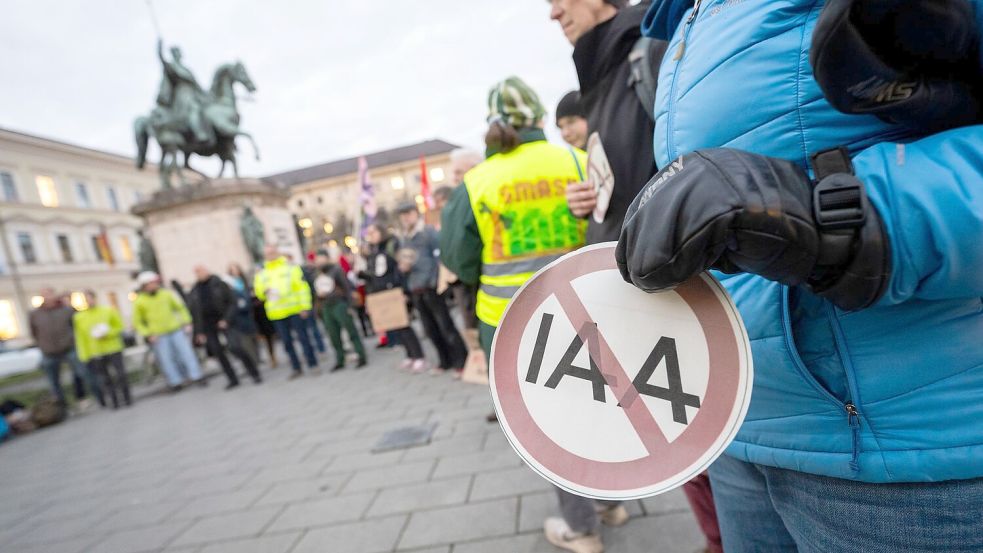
x,y
911,366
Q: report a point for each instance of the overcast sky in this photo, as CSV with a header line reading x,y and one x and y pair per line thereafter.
x,y
335,78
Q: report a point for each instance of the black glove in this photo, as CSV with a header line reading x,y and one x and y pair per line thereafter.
x,y
741,212
912,62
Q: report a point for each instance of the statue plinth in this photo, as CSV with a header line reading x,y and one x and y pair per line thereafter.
x,y
200,225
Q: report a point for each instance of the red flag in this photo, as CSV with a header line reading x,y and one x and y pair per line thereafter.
x,y
425,185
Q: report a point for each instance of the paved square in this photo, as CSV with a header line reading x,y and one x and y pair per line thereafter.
x,y
286,467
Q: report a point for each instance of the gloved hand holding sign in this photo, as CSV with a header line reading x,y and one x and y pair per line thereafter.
x,y
741,212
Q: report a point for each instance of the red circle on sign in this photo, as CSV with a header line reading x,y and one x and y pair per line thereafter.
x,y
664,460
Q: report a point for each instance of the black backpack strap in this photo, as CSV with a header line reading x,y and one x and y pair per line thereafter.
x,y
642,76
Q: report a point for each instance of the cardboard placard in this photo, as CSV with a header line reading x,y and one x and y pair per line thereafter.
x,y
387,310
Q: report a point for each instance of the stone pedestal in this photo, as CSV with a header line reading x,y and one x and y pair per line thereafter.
x,y
199,225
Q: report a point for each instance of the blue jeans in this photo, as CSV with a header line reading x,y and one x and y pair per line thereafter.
x,y
51,366
315,331
294,324
763,509
174,351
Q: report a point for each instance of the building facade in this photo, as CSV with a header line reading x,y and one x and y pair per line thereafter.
x,y
325,197
65,223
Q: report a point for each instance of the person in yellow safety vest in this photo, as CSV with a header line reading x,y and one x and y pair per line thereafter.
x,y
161,317
286,297
99,342
510,215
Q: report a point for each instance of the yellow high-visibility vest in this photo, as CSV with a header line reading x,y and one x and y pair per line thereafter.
x,y
282,289
519,202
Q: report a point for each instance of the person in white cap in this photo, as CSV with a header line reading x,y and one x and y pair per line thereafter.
x,y
163,319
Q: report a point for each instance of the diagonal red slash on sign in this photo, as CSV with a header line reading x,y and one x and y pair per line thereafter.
x,y
665,465
638,414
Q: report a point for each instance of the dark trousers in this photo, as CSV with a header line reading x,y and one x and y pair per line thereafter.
x,y
110,375
218,350
364,321
337,317
286,328
406,337
440,329
51,366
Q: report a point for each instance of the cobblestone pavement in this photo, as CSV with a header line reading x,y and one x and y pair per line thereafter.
x,y
287,467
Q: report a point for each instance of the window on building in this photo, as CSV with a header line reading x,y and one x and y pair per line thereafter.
x,y
8,320
320,200
46,190
82,192
300,204
9,188
125,250
137,196
113,299
398,183
113,199
79,301
437,174
66,248
97,249
26,245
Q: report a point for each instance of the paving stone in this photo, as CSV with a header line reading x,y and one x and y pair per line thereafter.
x,y
655,533
476,463
670,502
406,473
371,536
52,531
301,490
462,523
279,543
75,545
509,482
224,527
363,460
326,511
135,516
448,447
149,538
529,543
421,496
217,504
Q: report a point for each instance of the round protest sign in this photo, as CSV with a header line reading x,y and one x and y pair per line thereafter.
x,y
614,393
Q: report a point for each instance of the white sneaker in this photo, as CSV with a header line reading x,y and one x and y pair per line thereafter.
x,y
84,405
558,533
406,364
612,515
418,366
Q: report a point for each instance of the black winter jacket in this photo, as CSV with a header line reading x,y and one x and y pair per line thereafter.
x,y
615,112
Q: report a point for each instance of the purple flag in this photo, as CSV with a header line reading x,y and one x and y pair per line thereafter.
x,y
367,195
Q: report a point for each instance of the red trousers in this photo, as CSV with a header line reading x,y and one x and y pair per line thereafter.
x,y
700,499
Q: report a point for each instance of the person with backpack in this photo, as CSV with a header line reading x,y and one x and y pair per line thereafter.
x,y
826,159
333,291
99,342
615,67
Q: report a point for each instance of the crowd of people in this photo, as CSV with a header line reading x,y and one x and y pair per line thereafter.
x,y
843,297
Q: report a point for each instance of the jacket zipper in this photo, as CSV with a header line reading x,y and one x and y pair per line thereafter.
x,y
678,57
853,414
853,419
